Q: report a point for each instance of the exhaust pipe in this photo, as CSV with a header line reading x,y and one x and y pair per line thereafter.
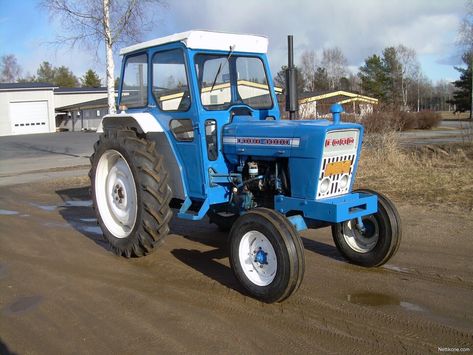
x,y
291,81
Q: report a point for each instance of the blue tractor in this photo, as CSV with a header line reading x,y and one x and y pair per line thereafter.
x,y
199,131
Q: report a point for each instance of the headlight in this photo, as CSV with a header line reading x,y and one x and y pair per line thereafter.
x,y
324,185
343,182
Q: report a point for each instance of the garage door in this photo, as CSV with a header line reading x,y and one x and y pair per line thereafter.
x,y
29,117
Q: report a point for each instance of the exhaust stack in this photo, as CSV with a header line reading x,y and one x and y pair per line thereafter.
x,y
291,81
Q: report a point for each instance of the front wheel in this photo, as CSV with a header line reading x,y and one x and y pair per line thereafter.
x,y
266,255
377,241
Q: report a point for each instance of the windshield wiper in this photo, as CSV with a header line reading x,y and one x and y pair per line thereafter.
x,y
220,67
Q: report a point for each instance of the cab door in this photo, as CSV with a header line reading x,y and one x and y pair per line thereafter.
x,y
177,113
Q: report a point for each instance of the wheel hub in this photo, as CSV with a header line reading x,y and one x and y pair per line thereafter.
x,y
361,240
119,194
258,258
261,257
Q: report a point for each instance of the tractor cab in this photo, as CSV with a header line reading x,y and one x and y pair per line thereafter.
x,y
192,84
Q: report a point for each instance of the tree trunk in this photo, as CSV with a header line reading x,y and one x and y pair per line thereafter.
x,y
109,57
471,90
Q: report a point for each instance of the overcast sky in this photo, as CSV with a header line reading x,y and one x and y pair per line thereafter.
x,y
359,27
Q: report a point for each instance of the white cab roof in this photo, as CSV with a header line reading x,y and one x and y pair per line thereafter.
x,y
208,40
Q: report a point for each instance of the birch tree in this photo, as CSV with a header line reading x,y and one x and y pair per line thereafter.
x,y
91,23
408,71
309,66
466,42
10,70
335,65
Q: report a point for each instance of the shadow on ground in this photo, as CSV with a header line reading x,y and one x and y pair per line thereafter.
x,y
4,350
323,249
205,262
77,211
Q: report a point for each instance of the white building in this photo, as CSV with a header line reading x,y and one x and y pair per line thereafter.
x,y
27,108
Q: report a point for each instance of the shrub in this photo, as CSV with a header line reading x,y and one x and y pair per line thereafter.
x,y
428,120
379,122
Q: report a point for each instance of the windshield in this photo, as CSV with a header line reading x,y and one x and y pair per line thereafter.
x,y
228,80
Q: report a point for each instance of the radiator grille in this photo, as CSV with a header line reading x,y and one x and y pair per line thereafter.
x,y
337,154
335,189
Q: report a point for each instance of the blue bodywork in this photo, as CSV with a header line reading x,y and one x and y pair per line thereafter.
x,y
209,182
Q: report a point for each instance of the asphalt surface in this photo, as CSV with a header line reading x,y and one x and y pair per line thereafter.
x,y
36,157
447,132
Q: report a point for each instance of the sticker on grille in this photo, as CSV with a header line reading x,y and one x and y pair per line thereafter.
x,y
338,162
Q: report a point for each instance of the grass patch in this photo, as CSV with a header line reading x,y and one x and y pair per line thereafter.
x,y
428,175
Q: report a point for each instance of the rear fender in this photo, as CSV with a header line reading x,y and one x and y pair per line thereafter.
x,y
147,124
143,122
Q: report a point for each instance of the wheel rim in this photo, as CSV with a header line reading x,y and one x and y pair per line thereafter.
x,y
257,258
361,241
115,193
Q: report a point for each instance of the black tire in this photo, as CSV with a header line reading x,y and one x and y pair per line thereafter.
x,y
223,222
285,276
383,227
149,178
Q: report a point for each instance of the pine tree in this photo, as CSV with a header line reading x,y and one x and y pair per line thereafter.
x,y
65,78
45,73
90,79
374,80
462,96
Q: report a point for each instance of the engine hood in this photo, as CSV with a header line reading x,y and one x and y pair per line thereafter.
x,y
281,138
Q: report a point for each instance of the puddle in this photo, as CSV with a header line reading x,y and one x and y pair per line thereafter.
x,y
411,307
8,212
90,229
396,268
23,304
88,220
379,299
47,208
71,203
372,299
78,203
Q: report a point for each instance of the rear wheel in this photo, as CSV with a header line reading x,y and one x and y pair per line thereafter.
x,y
266,255
377,241
130,192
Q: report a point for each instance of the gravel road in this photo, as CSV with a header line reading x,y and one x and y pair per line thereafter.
x,y
63,291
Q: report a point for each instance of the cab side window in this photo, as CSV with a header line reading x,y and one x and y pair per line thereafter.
x,y
135,82
170,86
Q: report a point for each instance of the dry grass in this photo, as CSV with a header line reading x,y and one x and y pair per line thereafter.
x,y
449,115
428,175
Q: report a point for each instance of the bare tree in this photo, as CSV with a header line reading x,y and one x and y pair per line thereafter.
x,y
10,70
93,22
335,65
309,66
466,41
409,71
